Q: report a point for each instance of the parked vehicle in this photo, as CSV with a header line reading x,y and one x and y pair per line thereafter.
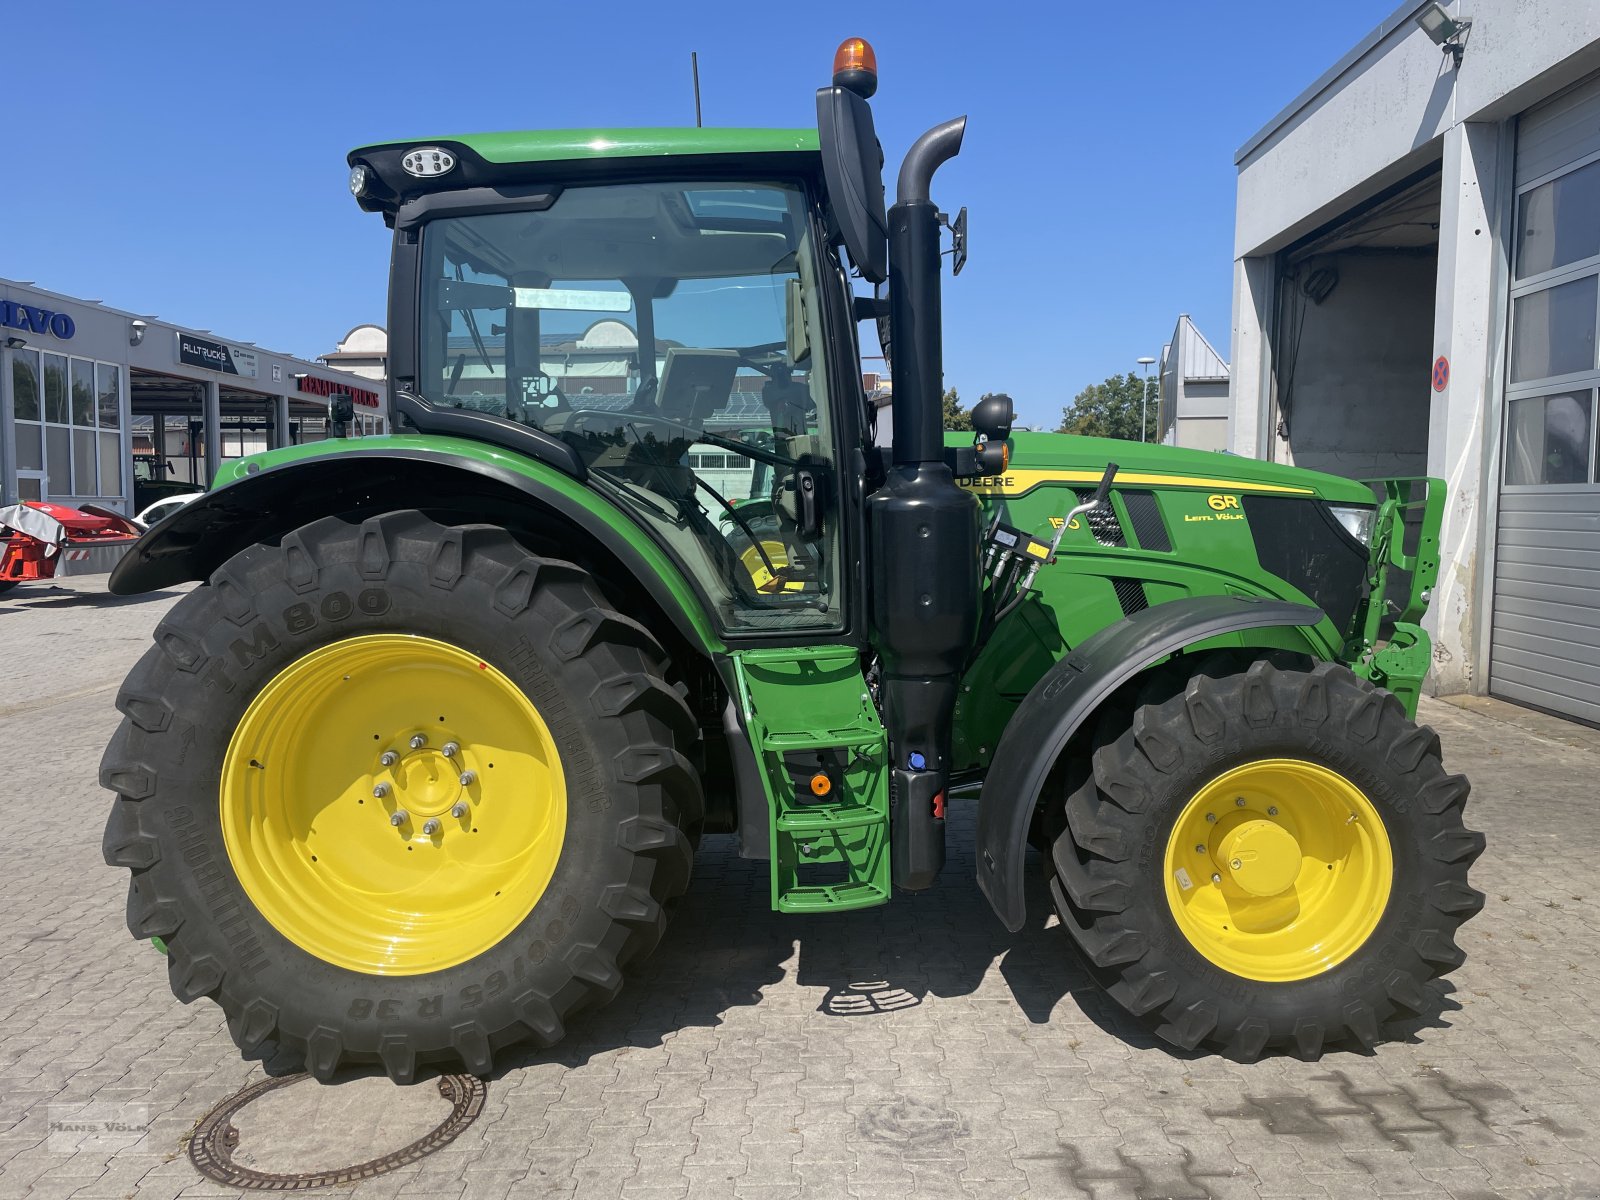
x,y
417,772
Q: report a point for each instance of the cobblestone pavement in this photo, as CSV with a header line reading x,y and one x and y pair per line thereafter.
x,y
914,1050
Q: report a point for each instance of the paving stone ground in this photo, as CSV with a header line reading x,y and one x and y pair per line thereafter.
x,y
913,1050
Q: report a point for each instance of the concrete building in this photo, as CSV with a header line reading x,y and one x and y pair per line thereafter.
x,y
363,351
1417,258
1194,391
97,403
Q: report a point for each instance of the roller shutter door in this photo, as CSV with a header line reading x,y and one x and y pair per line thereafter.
x,y
1545,640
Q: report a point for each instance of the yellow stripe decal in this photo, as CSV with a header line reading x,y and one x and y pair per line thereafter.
x,y
1015,483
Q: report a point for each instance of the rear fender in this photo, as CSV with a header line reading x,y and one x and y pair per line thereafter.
x,y
1068,694
269,496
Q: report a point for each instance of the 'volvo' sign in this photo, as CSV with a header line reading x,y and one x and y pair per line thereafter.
x,y
36,320
215,356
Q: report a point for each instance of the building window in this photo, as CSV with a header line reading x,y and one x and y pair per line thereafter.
x,y
26,399
81,404
1550,439
1553,372
1560,222
1554,331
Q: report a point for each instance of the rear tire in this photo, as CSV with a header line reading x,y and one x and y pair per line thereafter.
x,y
1113,858
620,736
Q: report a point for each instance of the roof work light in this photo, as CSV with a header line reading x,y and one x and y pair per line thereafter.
x,y
855,67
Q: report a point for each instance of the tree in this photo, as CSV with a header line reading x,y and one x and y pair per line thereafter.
x,y
1111,409
955,417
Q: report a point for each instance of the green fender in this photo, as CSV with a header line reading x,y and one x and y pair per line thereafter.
x,y
1069,693
263,497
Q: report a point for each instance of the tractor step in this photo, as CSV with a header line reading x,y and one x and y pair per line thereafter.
x,y
823,754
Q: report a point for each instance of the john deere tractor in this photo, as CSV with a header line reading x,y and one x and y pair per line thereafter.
x,y
418,770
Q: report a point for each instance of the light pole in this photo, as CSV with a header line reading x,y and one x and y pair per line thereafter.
x,y
1144,402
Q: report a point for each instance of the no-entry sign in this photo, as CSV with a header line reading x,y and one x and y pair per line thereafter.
x,y
1441,373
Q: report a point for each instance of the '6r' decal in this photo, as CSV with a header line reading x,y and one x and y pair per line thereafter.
x,y
335,606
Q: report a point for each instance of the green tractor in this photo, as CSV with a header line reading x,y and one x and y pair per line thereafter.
x,y
418,771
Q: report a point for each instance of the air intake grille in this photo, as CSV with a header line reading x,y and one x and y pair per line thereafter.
x,y
1103,522
1144,514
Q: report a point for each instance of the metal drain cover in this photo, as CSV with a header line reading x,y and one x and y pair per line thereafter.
x,y
312,1132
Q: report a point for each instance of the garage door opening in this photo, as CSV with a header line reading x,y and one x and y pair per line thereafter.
x,y
1353,338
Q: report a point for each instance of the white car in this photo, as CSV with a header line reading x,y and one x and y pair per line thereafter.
x,y
165,507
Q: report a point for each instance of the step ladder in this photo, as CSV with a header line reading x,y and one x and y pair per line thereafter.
x,y
823,757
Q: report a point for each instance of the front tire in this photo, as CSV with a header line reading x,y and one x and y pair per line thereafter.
x,y
1272,859
295,808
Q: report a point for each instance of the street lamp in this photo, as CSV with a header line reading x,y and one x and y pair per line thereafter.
x,y
1144,402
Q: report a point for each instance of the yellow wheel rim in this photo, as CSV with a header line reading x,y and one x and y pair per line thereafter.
x,y
764,579
1278,870
393,804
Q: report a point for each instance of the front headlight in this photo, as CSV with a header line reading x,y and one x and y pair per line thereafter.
x,y
1357,522
359,177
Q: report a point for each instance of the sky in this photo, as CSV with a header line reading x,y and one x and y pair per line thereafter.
x,y
187,159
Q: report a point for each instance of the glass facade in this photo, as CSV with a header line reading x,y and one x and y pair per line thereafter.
x,y
67,418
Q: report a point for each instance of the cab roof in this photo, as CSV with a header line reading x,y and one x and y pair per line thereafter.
x,y
534,156
565,145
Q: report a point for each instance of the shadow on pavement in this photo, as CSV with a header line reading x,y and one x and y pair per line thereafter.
x,y
21,600
724,947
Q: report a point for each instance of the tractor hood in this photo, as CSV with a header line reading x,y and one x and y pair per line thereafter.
x,y
1052,458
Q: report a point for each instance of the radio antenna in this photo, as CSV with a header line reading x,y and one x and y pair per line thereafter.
x,y
694,64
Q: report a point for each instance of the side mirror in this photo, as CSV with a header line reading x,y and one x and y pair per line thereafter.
x,y
852,167
341,411
992,417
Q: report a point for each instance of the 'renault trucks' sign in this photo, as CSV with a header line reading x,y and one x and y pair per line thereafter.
x,y
313,386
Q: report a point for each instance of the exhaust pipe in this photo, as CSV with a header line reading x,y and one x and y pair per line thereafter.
x,y
925,533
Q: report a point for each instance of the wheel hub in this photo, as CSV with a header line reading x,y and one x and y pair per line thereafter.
x,y
1260,856
426,782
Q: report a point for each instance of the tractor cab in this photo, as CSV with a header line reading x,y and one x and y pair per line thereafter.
x,y
673,336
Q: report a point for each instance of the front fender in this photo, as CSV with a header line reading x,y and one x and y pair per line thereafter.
x,y
259,499
1064,698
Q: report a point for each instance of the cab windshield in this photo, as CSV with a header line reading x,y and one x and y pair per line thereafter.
x,y
666,332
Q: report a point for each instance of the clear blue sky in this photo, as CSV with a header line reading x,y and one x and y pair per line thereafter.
x,y
187,159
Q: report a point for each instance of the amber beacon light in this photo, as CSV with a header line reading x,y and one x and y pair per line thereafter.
x,y
855,67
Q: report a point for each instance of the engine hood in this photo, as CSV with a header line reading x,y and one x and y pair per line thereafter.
x,y
1042,458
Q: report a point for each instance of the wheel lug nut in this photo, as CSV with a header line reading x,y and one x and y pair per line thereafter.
x,y
1272,811
1215,878
399,817
418,741
468,778
430,826
450,749
388,758
1236,864
1240,801
1211,818
458,809
1200,848
379,792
